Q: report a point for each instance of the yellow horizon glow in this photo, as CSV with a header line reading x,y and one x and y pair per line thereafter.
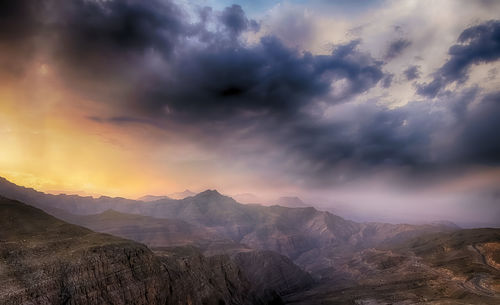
x,y
48,143
50,147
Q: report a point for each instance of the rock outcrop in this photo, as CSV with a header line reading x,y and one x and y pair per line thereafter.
x,y
44,260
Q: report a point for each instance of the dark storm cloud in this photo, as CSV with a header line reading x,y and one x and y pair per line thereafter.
x,y
376,135
420,135
477,44
396,48
99,38
480,139
155,67
114,27
122,120
235,20
412,72
387,81
104,48
267,79
217,84
19,25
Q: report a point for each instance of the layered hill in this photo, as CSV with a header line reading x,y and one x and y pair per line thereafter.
x,y
311,238
460,267
239,254
269,272
154,232
177,195
44,260
149,198
291,202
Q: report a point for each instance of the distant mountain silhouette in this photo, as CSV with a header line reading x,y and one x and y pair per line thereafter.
x,y
149,198
247,198
178,195
181,195
291,202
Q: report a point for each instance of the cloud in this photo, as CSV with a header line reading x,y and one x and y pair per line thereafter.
x,y
19,26
100,50
420,136
147,56
387,80
148,63
265,81
396,48
478,139
476,44
412,72
235,20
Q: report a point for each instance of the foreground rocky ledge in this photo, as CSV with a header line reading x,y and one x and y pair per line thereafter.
x,y
44,260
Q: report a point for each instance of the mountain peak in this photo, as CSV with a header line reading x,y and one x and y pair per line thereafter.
x,y
291,201
181,195
148,198
209,192
111,212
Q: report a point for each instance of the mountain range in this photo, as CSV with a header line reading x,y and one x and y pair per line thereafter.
x,y
297,255
176,195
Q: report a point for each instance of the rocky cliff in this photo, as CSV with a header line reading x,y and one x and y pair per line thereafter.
x,y
44,260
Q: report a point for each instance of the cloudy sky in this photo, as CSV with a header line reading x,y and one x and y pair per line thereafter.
x,y
375,109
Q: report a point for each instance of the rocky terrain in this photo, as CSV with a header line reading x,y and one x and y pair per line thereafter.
x,y
313,239
269,270
154,232
232,253
44,260
444,268
177,195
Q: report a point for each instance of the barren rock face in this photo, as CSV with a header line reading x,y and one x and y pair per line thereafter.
x,y
269,270
441,268
113,274
491,253
46,261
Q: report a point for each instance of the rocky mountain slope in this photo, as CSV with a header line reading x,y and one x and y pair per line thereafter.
x,y
291,202
154,232
240,254
149,198
44,260
269,270
445,268
177,195
311,238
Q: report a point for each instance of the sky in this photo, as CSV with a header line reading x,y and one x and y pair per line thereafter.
x,y
375,110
